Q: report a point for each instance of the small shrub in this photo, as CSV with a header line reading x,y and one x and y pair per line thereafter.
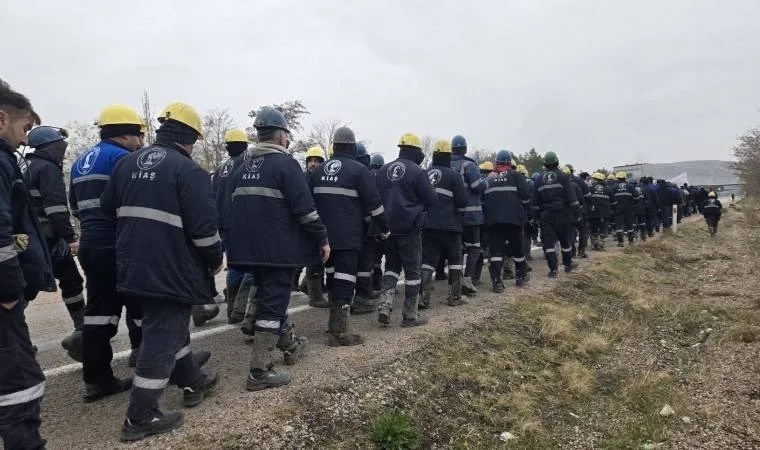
x,y
393,431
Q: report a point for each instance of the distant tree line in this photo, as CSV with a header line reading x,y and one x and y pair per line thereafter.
x,y
747,164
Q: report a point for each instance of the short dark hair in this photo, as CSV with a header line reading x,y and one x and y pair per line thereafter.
x,y
267,134
15,103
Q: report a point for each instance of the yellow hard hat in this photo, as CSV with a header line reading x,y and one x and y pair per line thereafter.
x,y
235,135
621,175
315,152
522,169
565,170
598,176
486,166
442,146
410,140
119,115
183,113
712,194
611,176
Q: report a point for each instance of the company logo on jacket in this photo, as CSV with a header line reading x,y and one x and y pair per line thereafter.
x,y
396,171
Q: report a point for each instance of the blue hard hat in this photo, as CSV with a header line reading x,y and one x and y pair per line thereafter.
x,y
377,160
268,117
361,150
503,157
42,135
458,141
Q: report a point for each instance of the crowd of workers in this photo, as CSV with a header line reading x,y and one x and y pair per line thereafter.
x,y
155,229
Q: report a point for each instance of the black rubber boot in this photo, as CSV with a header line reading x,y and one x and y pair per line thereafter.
x,y
427,288
194,395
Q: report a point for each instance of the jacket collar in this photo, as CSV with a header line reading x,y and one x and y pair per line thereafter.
x,y
267,149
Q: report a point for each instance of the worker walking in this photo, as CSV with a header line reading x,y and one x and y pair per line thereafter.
x,y
600,208
121,130
274,229
365,300
162,201
711,212
442,235
506,200
344,193
407,195
555,202
581,225
376,162
625,198
235,142
26,270
473,212
315,273
43,170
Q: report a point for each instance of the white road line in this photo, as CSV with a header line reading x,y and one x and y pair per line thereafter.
x,y
68,368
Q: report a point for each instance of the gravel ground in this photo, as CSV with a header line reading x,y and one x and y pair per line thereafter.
x,y
261,417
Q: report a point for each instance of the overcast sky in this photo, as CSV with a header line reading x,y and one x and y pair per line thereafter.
x,y
599,82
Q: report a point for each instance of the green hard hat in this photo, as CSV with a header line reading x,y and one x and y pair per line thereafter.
x,y
550,158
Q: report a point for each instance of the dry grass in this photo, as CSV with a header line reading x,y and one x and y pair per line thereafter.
x,y
578,379
744,333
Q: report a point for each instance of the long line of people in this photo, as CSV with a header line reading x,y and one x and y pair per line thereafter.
x,y
154,228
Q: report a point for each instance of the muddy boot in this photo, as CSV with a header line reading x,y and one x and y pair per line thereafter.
x,y
478,271
73,342
363,305
551,261
292,346
521,269
261,376
250,313
385,307
594,242
246,290
455,289
602,245
631,236
203,313
570,267
468,288
339,328
316,297
508,274
496,268
427,288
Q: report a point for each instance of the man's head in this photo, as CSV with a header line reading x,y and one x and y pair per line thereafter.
x,y
122,124
459,145
16,116
180,124
344,142
235,142
314,157
271,127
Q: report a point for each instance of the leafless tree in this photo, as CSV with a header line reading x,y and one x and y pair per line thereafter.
x,y
147,114
747,164
210,152
322,132
82,136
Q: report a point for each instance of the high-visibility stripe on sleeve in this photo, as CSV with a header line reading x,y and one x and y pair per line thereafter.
x,y
75,299
377,211
207,241
501,189
140,212
311,217
445,192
